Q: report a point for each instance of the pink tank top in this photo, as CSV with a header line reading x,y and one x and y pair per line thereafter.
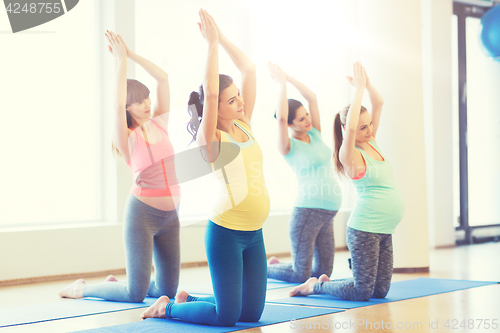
x,y
153,166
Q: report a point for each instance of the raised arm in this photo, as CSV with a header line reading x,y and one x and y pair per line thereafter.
x,y
247,69
348,155
208,126
120,129
311,100
377,102
282,114
162,103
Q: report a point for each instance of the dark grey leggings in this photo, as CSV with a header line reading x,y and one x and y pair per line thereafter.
x,y
148,233
313,246
371,268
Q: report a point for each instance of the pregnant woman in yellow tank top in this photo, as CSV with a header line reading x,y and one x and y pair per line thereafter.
x,y
233,238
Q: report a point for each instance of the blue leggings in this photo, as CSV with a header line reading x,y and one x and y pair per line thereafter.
x,y
237,262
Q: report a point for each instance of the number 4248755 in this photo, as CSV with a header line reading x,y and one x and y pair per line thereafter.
x,y
34,8
454,324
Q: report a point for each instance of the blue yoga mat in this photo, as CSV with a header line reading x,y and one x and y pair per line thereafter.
x,y
400,290
273,314
64,309
205,288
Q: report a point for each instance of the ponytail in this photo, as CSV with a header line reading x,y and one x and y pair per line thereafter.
x,y
195,105
338,138
195,110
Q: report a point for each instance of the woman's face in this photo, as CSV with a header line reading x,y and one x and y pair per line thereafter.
x,y
231,103
140,111
365,127
302,121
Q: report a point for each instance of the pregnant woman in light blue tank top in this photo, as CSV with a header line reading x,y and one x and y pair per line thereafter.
x,y
379,208
319,194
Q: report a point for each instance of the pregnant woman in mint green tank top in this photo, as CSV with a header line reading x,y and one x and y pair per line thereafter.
x,y
379,208
319,195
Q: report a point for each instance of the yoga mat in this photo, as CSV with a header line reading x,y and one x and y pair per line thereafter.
x,y
64,309
400,290
205,288
273,314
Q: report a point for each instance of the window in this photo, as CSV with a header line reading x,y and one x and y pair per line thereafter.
x,y
50,134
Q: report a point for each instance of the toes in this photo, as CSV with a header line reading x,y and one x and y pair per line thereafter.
x,y
111,278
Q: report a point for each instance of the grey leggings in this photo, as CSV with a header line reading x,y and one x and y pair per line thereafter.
x,y
147,232
371,268
313,246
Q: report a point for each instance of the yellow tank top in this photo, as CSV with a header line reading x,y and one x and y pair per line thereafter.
x,y
243,203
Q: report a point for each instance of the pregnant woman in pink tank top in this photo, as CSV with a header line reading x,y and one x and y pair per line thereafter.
x,y
151,223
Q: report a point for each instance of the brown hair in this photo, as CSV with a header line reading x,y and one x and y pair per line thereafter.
x,y
339,122
293,105
136,92
195,105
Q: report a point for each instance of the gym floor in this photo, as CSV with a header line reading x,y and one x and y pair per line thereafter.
x,y
475,262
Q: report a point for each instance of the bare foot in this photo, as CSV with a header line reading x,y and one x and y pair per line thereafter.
x,y
181,297
273,260
111,278
306,288
157,310
74,290
324,278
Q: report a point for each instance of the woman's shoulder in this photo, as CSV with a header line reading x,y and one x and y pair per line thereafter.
x,y
373,143
315,133
243,124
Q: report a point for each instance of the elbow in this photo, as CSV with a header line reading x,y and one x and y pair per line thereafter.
x,y
311,97
163,77
211,90
212,94
350,129
282,121
120,107
249,69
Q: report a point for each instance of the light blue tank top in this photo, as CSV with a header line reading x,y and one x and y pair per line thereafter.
x,y
380,205
312,164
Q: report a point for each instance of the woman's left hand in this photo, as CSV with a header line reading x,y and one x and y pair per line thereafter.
x,y
277,73
221,36
129,51
116,46
350,79
208,28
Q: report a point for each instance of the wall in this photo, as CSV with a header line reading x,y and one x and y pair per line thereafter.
x,y
391,51
436,47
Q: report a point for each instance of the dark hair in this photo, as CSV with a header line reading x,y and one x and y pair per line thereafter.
x,y
136,92
339,122
293,105
195,105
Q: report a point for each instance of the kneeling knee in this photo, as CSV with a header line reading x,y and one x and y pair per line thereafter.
x,y
137,298
380,293
251,317
228,319
363,295
301,277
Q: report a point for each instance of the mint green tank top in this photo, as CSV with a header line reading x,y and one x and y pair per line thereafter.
x,y
317,183
380,205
